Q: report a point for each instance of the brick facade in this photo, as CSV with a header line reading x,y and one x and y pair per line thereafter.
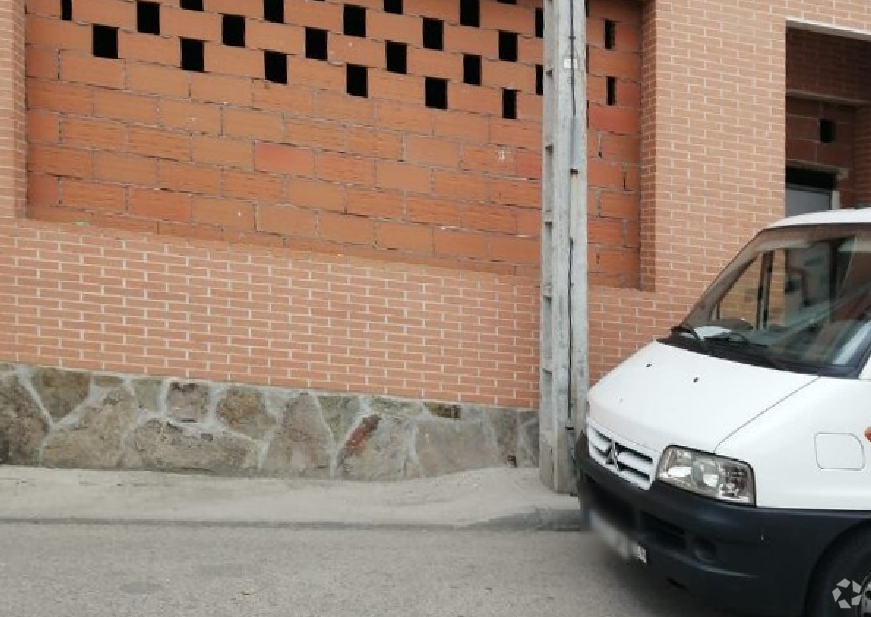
x,y
401,241
713,151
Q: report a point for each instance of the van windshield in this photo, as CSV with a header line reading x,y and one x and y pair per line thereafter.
x,y
796,298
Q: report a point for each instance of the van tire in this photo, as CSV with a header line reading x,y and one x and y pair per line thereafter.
x,y
848,560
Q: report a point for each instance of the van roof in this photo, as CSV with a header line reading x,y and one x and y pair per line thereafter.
x,y
829,217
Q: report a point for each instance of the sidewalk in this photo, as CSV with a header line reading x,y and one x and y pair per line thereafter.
x,y
486,499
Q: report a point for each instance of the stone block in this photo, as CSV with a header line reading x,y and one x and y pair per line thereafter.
x,y
158,445
148,394
244,411
379,448
445,410
502,424
107,381
23,426
95,441
60,391
303,444
188,402
384,406
450,446
527,439
339,412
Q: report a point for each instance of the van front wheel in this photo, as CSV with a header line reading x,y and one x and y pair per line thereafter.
x,y
842,583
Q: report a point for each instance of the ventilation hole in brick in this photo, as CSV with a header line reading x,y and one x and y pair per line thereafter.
x,y
393,6
233,31
354,21
472,70
539,79
275,67
66,10
193,56
509,104
436,93
396,55
508,46
539,23
470,13
273,11
105,44
827,131
610,34
611,83
192,5
315,44
433,33
148,17
507,1
357,80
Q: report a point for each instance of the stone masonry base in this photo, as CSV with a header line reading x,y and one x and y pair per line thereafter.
x,y
58,418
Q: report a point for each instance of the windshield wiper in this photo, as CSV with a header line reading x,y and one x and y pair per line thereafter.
x,y
684,328
758,350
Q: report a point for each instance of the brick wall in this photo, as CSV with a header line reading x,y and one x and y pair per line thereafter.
x,y
713,156
105,297
821,70
805,148
12,127
102,300
326,162
614,146
712,173
824,64
349,156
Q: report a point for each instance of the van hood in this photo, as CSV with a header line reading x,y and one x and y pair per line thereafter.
x,y
664,396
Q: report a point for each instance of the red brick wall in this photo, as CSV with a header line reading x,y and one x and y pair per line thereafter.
x,y
804,147
306,165
714,151
139,144
825,64
862,156
12,115
614,146
101,297
821,68
104,300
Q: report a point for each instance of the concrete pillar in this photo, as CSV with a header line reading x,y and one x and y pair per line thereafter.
x,y
563,349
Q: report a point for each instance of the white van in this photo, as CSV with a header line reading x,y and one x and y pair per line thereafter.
x,y
732,457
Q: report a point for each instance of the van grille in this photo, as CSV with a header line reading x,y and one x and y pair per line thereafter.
x,y
628,463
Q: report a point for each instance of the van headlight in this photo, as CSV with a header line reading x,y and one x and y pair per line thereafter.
x,y
707,474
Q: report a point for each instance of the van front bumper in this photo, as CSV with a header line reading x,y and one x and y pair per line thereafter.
x,y
756,561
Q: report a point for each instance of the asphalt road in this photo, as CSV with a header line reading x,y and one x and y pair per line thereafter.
x,y
118,571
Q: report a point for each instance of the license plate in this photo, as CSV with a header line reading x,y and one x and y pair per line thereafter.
x,y
618,541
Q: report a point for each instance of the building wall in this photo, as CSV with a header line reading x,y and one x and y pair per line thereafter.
x,y
826,80
228,154
711,173
804,148
825,64
305,237
713,152
614,142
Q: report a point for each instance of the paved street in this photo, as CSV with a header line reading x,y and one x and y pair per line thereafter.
x,y
120,571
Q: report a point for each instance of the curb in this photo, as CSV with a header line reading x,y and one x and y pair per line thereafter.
x,y
538,520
